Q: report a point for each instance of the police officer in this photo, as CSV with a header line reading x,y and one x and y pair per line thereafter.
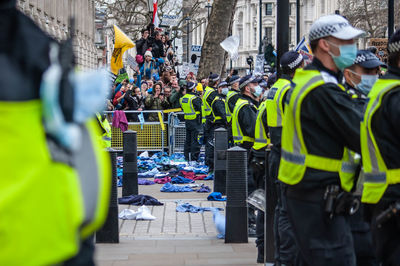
x,y
380,156
231,97
191,106
321,124
362,75
54,193
214,108
243,124
359,79
285,248
257,164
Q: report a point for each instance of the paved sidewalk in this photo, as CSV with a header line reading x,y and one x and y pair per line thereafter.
x,y
174,238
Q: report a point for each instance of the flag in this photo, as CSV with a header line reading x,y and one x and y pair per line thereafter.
x,y
156,20
303,47
122,43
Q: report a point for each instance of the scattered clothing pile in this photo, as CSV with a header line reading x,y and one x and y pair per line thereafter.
x,y
216,196
187,207
139,200
143,213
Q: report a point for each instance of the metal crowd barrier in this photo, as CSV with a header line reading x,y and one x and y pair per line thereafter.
x,y
176,132
151,136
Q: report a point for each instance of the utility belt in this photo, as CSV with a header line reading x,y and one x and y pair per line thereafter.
x,y
388,213
336,201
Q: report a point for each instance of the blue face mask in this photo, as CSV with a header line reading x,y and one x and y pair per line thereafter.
x,y
366,83
257,91
348,53
225,91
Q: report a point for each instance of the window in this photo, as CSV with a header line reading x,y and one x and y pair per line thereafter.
x,y
290,9
323,6
290,34
240,32
254,37
268,33
268,9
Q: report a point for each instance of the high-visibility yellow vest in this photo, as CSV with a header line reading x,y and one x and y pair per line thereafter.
x,y
216,118
261,139
47,206
203,113
237,132
275,102
187,106
294,157
228,112
377,175
207,107
106,137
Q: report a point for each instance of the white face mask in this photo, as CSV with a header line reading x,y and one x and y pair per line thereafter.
x,y
257,91
225,91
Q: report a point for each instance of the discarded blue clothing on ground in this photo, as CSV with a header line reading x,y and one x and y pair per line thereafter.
x,y
148,174
139,200
187,207
142,181
216,196
168,187
209,177
204,189
181,180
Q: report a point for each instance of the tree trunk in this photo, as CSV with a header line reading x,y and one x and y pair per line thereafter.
x,y
212,55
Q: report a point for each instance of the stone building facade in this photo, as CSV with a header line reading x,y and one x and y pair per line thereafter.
x,y
53,17
246,23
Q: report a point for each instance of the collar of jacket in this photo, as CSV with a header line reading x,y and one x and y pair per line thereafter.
x,y
250,99
394,71
318,64
285,76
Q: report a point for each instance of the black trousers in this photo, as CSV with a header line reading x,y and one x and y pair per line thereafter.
x,y
285,245
321,240
387,237
192,146
209,144
85,256
362,239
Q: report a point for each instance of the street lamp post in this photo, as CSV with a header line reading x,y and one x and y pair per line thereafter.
x,y
298,21
208,6
390,18
187,19
260,27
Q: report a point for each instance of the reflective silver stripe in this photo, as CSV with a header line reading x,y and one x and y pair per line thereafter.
x,y
239,130
348,167
106,138
261,128
278,100
379,177
296,139
86,166
293,158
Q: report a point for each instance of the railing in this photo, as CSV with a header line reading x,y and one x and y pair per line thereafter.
x,y
151,136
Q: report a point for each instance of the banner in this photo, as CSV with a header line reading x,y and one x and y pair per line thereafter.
x,y
195,54
122,43
259,65
131,62
170,20
381,45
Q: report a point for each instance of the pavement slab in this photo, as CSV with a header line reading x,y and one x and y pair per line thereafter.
x,y
174,238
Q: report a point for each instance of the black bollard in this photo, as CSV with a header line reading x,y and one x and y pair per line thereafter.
x,y
109,232
236,190
221,145
130,172
270,201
